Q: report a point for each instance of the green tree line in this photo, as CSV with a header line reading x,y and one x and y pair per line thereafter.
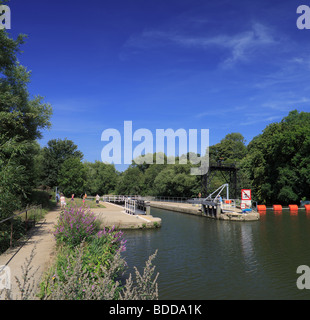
x,y
275,165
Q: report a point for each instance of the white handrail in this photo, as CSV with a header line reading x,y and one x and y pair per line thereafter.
x,y
130,206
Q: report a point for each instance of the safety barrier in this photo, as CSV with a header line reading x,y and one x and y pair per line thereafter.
x,y
278,208
35,210
130,206
293,207
228,204
261,207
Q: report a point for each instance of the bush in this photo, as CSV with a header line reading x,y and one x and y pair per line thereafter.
x,y
74,226
100,251
5,233
40,197
89,265
71,281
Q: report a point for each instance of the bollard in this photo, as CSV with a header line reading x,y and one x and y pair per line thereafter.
x,y
147,208
218,211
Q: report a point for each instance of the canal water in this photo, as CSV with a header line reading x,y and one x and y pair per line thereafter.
x,y
205,259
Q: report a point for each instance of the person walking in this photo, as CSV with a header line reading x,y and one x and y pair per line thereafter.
x,y
97,199
62,201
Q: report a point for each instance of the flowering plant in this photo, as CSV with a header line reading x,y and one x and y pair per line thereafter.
x,y
114,237
75,225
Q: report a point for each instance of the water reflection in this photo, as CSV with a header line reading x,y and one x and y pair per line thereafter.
x,y
200,258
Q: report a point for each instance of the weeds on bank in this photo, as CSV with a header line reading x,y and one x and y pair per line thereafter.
x,y
74,282
89,263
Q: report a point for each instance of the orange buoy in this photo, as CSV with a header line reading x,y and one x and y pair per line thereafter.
x,y
261,207
307,207
293,207
277,207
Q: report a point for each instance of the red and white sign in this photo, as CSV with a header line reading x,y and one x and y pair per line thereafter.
x,y
246,198
246,194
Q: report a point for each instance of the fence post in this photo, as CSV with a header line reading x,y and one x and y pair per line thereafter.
x,y
35,214
26,221
11,240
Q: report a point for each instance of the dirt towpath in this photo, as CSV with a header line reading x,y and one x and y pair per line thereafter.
x,y
41,238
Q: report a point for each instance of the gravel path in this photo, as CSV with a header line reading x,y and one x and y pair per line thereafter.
x,y
41,241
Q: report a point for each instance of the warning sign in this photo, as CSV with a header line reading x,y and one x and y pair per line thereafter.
x,y
246,194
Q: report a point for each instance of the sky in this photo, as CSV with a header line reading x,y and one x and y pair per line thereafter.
x,y
226,66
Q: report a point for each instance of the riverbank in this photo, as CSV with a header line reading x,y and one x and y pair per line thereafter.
x,y
188,208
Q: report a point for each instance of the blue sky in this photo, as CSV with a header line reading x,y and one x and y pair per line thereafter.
x,y
227,66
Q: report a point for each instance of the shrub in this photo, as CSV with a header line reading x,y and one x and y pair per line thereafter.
x,y
99,253
72,281
5,233
90,263
145,286
74,226
76,283
40,197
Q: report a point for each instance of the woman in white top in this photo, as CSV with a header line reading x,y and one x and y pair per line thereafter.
x,y
62,201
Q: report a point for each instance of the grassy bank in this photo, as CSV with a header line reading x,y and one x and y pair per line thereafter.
x,y
88,264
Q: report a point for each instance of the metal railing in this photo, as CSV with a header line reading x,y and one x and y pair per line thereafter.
x,y
170,199
130,206
27,211
228,204
120,198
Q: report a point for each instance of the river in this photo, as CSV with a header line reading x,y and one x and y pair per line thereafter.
x,y
205,259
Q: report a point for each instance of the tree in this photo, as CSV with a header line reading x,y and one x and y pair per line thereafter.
x,y
72,176
101,178
278,162
130,182
22,118
12,177
150,175
176,181
231,149
54,155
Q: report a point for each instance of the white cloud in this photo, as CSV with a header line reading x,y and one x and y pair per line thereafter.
x,y
286,105
241,46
